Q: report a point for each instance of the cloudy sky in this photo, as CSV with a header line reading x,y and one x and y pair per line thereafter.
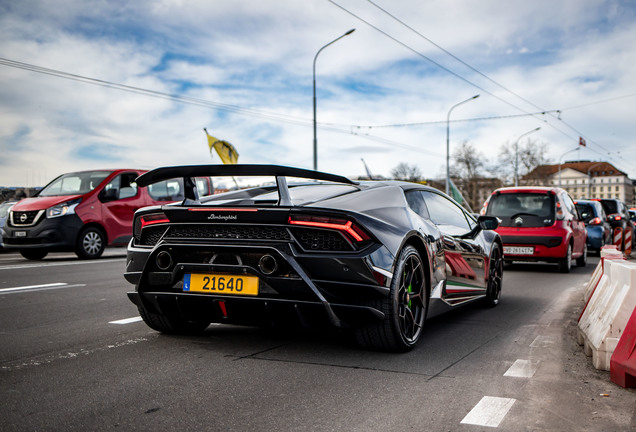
x,y
98,84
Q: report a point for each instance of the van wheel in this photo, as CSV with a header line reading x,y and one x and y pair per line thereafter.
x,y
90,243
34,254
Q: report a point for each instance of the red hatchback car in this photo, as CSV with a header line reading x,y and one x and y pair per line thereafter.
x,y
539,224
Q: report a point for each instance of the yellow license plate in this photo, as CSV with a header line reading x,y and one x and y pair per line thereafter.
x,y
220,284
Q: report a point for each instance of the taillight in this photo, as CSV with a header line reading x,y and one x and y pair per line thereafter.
x,y
595,221
559,213
348,227
148,219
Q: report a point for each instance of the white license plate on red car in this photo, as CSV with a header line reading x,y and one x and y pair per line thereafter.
x,y
518,250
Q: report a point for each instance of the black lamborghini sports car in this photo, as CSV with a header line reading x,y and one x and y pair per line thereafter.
x,y
373,257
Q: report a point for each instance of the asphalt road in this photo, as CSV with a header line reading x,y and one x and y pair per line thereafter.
x,y
74,356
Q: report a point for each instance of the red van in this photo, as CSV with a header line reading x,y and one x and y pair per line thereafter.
x,y
84,212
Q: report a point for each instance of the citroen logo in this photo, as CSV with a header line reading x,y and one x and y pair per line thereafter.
x,y
23,218
519,220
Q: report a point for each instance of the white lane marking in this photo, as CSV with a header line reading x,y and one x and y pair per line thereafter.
x,y
56,264
32,288
542,342
490,411
522,369
126,320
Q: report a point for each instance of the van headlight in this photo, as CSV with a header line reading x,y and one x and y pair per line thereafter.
x,y
63,209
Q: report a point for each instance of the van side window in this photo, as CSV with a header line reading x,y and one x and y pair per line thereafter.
x,y
167,190
121,187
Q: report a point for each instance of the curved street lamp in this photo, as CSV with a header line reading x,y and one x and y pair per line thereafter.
x,y
448,140
315,57
561,157
517,154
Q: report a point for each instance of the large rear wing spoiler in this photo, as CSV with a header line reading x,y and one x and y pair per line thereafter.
x,y
189,172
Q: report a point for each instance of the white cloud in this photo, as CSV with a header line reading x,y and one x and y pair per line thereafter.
x,y
259,55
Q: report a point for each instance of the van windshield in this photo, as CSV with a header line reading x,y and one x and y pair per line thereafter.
x,y
74,183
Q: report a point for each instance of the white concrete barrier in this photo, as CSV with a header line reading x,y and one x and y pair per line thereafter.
x,y
606,315
607,252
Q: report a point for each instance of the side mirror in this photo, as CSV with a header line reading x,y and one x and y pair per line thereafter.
x,y
108,195
488,222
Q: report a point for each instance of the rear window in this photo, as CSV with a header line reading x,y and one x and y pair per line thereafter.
x,y
523,209
610,207
586,211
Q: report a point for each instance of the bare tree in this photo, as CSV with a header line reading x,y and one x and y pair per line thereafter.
x,y
406,172
467,172
531,155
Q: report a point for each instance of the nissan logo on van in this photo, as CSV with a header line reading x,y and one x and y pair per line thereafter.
x,y
23,218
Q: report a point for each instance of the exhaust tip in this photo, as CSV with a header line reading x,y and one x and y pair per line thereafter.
x,y
164,260
267,264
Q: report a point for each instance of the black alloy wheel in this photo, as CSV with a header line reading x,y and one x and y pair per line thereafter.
x,y
404,309
495,276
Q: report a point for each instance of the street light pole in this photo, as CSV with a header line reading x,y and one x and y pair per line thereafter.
x,y
561,157
589,180
315,57
448,140
517,154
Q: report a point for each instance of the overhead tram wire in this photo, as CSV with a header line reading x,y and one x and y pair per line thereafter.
x,y
344,129
436,122
419,54
157,94
454,73
455,57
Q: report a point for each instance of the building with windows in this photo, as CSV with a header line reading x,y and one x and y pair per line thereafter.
x,y
585,179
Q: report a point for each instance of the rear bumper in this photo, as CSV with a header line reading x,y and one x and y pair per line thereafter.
x,y
264,312
595,236
545,248
307,289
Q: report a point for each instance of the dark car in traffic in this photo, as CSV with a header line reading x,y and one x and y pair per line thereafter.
x,y
4,214
539,224
599,231
376,258
621,222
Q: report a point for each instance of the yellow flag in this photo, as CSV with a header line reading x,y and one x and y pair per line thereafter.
x,y
225,150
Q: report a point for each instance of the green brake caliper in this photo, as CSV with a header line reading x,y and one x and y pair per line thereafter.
x,y
410,291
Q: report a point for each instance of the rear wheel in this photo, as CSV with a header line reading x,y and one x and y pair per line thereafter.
x,y
90,243
495,277
170,324
34,254
404,309
565,264
582,260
